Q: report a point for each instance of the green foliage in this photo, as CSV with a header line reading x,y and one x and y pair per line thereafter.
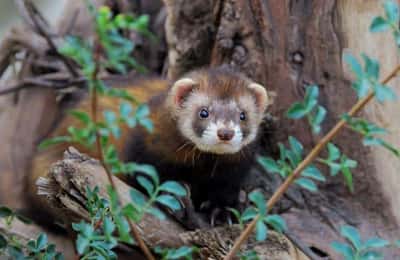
x,y
39,248
370,132
356,248
287,163
367,78
339,162
389,21
9,215
183,252
259,211
309,107
109,224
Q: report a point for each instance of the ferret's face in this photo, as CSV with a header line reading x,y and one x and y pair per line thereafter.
x,y
220,119
221,126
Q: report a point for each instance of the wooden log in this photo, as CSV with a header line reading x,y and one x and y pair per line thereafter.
x,y
65,188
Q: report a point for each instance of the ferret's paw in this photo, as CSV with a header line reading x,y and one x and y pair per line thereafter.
x,y
221,217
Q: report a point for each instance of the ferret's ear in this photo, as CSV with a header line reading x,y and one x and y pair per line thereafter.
x,y
180,90
261,95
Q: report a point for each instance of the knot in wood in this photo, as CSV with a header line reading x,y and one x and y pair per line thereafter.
x,y
298,57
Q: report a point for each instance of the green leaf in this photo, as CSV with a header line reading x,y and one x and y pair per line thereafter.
x,y
110,117
334,168
249,214
371,66
348,178
156,212
125,109
355,66
137,198
333,152
277,223
344,250
310,99
5,212
363,87
314,173
16,253
55,140
379,24
80,115
81,244
148,170
169,201
296,147
142,111
351,234
375,242
296,111
391,11
41,241
146,184
23,219
258,199
147,123
3,242
384,93
268,164
132,212
371,255
261,230
108,226
306,184
236,214
174,188
317,119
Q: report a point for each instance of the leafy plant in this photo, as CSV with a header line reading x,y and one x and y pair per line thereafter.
x,y
39,248
309,107
259,211
356,248
183,252
389,21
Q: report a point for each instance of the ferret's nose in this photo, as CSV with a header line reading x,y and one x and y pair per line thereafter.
x,y
225,134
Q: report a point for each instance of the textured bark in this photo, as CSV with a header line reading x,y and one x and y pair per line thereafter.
x,y
287,45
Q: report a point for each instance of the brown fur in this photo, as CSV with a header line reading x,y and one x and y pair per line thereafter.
x,y
211,177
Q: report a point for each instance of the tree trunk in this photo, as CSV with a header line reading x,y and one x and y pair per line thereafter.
x,y
287,45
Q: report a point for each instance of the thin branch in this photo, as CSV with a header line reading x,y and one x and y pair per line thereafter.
x,y
306,161
94,107
41,82
28,8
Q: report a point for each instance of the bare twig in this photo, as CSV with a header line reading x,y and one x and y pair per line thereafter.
x,y
94,108
309,158
42,82
30,13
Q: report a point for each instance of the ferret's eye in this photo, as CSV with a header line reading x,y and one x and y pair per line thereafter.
x,y
242,116
203,113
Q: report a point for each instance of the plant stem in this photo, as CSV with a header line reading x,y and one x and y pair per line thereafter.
x,y
306,161
94,106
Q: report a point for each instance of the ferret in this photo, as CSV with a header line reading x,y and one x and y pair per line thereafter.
x,y
205,130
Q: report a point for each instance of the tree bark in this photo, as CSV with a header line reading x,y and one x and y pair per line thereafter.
x,y
287,45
